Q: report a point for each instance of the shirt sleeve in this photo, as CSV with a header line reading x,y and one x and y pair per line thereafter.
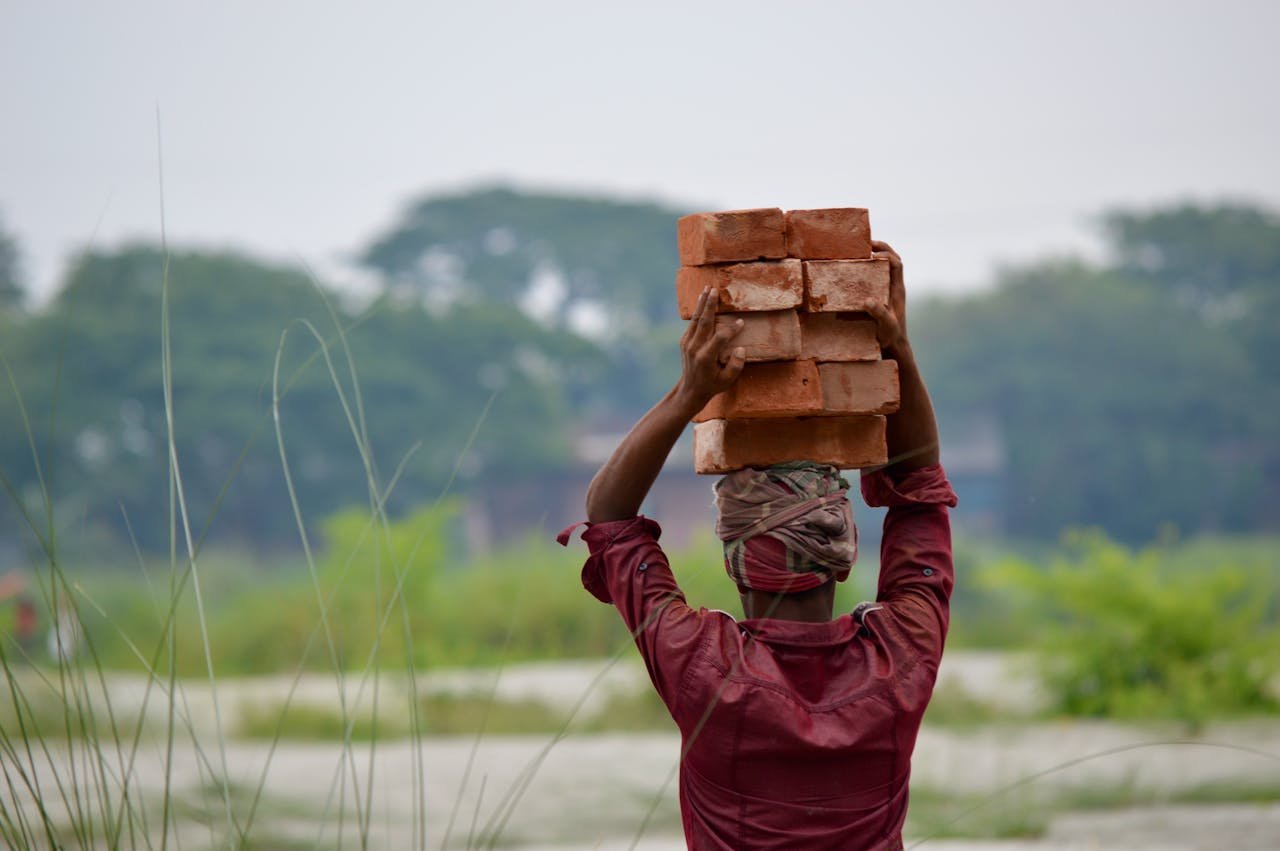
x,y
916,564
627,567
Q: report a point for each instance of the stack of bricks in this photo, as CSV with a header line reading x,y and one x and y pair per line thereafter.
x,y
814,387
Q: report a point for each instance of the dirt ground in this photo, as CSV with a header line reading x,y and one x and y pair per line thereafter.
x,y
614,791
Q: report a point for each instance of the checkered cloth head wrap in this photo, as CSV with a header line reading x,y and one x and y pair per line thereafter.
x,y
787,528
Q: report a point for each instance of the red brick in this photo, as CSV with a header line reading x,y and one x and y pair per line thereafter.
x,y
744,287
867,387
837,233
834,285
838,337
783,389
772,335
732,235
721,446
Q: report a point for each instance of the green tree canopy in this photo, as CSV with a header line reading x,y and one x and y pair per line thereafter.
x,y
1214,255
11,291
570,252
1223,259
1126,396
469,391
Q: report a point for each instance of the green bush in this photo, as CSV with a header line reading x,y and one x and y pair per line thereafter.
x,y
522,602
378,582
1130,635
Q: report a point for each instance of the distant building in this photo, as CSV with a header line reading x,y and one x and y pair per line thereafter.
x,y
680,500
973,453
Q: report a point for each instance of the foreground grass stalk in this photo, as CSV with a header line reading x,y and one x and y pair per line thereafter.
x,y
304,537
176,487
30,779
358,426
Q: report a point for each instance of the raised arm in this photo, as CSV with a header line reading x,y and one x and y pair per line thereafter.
x,y
912,431
916,566
621,485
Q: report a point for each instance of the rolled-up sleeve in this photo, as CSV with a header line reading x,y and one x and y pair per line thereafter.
x,y
916,564
627,567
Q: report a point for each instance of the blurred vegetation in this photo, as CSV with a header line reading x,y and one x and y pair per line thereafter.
x,y
454,714
1133,395
11,292
391,596
1127,394
1184,629
1124,634
1028,812
87,371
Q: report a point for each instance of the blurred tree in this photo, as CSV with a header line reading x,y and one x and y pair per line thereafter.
x,y
1217,258
11,291
562,257
90,374
1223,260
1128,397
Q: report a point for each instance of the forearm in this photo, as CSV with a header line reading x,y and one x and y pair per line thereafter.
x,y
707,368
620,486
912,431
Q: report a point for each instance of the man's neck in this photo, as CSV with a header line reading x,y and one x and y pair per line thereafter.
x,y
807,607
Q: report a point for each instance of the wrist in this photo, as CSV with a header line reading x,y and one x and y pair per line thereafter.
x,y
899,350
686,401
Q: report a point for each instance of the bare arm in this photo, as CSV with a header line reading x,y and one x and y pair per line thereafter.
x,y
621,485
913,430
916,565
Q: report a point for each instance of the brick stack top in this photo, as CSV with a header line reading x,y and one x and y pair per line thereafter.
x,y
814,387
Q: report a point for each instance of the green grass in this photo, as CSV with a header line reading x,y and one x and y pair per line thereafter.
x,y
445,714
939,814
953,706
1027,812
303,722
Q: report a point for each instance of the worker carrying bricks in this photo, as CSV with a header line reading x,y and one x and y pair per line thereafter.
x,y
797,725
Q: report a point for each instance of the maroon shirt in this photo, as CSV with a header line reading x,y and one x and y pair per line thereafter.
x,y
795,735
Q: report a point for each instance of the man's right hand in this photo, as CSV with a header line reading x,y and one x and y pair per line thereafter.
x,y
620,486
709,366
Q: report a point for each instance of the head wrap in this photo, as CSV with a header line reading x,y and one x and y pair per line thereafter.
x,y
787,528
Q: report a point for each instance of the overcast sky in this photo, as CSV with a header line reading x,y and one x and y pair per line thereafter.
x,y
977,133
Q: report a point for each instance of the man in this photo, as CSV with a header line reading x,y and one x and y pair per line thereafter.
x,y
797,728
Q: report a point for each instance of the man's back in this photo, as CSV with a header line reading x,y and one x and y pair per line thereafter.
x,y
795,735
809,736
